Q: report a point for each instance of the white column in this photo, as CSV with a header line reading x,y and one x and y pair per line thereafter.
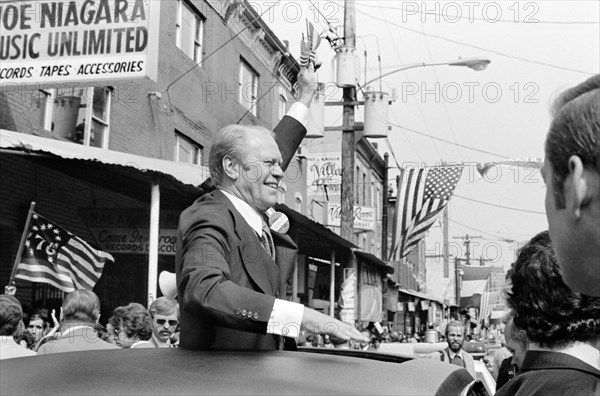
x,y
153,242
332,286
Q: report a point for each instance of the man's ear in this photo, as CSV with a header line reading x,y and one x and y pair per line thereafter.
x,y
577,187
231,167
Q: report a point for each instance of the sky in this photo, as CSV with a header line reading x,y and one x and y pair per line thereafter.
x,y
457,115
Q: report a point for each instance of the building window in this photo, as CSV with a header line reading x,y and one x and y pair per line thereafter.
x,y
248,88
364,189
377,204
187,151
298,205
79,114
356,183
282,109
190,31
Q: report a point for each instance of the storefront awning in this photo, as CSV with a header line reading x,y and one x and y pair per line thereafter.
x,y
99,165
374,261
314,239
417,294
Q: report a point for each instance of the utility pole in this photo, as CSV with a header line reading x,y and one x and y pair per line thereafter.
x,y
457,279
348,134
445,252
482,261
348,152
384,214
467,242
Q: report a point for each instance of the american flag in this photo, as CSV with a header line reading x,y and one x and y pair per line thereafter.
x,y
486,306
53,255
422,195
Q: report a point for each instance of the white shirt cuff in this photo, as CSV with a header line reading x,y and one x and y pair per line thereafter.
x,y
299,112
286,318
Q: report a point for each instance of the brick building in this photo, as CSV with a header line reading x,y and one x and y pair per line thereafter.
x,y
217,64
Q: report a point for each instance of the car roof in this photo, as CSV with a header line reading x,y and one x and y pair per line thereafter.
x,y
179,371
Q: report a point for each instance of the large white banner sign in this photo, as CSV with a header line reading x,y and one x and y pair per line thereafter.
x,y
72,41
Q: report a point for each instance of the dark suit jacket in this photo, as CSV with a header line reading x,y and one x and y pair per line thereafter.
x,y
227,282
553,373
503,372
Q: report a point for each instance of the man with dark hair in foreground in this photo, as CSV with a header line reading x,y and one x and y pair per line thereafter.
x,y
562,325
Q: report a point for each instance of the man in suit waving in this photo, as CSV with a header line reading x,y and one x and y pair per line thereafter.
x,y
230,266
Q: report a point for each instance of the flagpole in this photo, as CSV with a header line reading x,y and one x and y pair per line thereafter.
x,y
399,178
11,281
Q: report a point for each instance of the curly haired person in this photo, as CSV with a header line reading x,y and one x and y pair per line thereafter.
x,y
132,326
562,326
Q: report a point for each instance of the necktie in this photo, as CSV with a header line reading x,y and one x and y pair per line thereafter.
x,y
457,361
267,241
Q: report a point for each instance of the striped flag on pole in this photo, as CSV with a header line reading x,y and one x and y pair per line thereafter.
x,y
422,195
486,307
53,255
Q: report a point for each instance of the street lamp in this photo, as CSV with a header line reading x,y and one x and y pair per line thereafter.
x,y
376,102
477,64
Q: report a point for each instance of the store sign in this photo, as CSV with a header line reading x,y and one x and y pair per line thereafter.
x,y
324,170
128,230
75,41
364,216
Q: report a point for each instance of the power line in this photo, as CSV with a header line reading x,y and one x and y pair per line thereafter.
x,y
443,102
449,142
392,151
480,48
417,102
483,232
499,206
218,49
472,18
321,13
256,103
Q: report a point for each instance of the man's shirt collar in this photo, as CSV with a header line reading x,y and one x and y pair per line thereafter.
x,y
579,350
252,217
451,354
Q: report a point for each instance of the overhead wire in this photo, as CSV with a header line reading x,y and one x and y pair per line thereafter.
x,y
449,142
479,48
472,18
256,103
417,103
508,240
448,119
500,206
217,50
437,79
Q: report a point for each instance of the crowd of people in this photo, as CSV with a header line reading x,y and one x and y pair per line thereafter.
x,y
231,269
79,328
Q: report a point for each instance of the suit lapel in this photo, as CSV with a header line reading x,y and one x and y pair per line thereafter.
x,y
257,262
285,255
